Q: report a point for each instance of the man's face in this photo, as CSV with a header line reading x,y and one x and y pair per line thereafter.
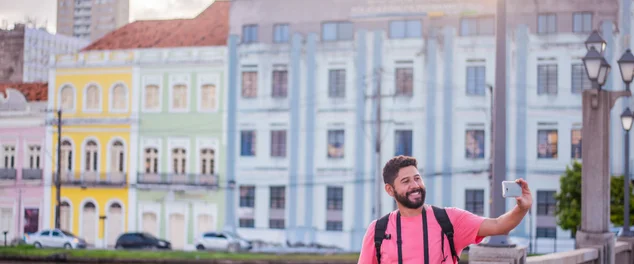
x,y
408,189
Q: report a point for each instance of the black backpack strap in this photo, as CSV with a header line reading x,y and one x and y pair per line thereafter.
x,y
379,234
447,228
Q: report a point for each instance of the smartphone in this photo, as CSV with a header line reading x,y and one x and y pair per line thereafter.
x,y
511,189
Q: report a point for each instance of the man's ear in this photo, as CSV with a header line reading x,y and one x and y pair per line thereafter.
x,y
389,189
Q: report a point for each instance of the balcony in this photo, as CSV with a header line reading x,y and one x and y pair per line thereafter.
x,y
94,179
183,180
32,174
8,174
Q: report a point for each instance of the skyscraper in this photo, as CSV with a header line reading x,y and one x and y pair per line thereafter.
x,y
91,19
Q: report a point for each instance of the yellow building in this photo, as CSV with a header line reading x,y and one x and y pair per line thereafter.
x,y
96,102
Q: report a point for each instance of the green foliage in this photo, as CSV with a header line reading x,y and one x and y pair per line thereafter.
x,y
616,201
568,198
568,210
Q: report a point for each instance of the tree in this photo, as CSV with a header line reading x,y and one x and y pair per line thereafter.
x,y
568,209
616,201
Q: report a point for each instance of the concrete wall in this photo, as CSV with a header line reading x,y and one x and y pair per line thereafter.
x,y
11,55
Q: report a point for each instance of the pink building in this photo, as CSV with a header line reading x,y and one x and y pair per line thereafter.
x,y
22,159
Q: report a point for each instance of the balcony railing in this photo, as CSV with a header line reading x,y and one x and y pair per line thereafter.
x,y
86,179
32,174
202,180
8,174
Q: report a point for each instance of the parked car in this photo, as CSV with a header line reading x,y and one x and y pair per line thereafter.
x,y
141,240
223,241
54,238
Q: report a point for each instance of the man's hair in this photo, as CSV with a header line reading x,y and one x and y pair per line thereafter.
x,y
390,171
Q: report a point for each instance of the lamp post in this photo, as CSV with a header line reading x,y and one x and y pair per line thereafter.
x,y
626,121
595,183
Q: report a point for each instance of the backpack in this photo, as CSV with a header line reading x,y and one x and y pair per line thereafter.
x,y
441,217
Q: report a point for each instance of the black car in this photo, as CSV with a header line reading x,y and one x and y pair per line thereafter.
x,y
141,241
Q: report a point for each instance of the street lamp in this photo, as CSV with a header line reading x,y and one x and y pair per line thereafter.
x,y
604,72
592,61
595,41
626,121
626,65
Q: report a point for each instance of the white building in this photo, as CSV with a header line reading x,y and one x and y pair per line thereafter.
x,y
302,77
39,46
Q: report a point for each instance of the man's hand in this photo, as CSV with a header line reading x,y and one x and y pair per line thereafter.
x,y
506,222
526,200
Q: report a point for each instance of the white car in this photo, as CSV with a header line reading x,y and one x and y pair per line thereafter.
x,y
222,241
54,238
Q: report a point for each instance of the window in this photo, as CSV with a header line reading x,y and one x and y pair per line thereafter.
x,y
476,80
179,160
278,143
92,98
335,144
404,81
580,80
34,157
91,156
477,26
247,196
333,31
547,23
207,157
546,232
547,79
403,142
250,33
575,144
280,33
474,144
334,225
117,157
582,22
276,223
247,143
8,153
280,84
278,197
247,222
152,97
151,161
249,84
119,98
337,83
546,203
474,201
67,156
207,97
179,97
334,198
547,144
405,29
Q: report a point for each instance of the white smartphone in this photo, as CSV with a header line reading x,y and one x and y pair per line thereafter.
x,y
511,189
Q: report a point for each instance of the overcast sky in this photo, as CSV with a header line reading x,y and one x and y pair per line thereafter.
x,y
44,11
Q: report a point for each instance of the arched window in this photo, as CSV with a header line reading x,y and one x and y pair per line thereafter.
x,y
67,98
179,158
179,97
151,97
151,160
119,97
207,97
117,157
91,156
207,161
92,98
67,156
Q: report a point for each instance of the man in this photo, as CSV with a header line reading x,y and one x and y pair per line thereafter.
x,y
404,183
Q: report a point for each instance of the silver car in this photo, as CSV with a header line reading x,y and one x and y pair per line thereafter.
x,y
54,238
222,241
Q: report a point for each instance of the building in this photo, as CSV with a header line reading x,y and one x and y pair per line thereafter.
x,y
91,19
22,158
95,94
175,136
303,79
26,52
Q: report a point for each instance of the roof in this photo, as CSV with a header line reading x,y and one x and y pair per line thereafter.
x,y
32,91
209,28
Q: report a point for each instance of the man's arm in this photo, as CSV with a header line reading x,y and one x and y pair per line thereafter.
x,y
506,222
368,252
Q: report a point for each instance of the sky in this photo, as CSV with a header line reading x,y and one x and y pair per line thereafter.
x,y
45,12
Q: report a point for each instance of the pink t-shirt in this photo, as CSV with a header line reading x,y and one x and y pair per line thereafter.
x,y
465,225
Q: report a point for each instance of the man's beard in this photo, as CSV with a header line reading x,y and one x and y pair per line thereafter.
x,y
405,201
